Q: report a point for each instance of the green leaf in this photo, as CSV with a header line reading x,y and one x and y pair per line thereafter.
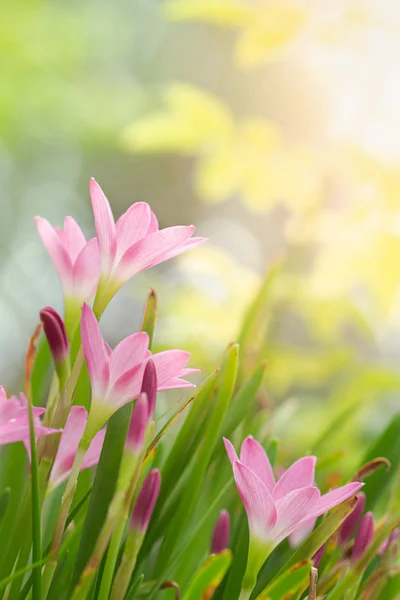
x,y
41,373
150,316
195,479
134,588
4,502
387,445
103,486
240,546
292,581
36,511
209,576
391,589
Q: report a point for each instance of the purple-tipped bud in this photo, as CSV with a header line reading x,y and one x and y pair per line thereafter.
x,y
146,501
364,536
391,540
138,424
149,387
220,537
56,335
349,525
316,559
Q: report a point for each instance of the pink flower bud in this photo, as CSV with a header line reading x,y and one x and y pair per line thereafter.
x,y
146,501
391,540
364,536
56,335
149,387
137,427
220,537
316,559
349,525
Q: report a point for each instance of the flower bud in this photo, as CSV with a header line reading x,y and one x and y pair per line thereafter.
x,y
391,540
316,559
349,525
149,387
56,335
364,536
146,502
138,424
220,537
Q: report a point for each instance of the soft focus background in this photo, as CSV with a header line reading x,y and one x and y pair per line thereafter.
x,y
274,128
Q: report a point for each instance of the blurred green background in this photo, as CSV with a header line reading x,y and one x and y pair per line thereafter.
x,y
271,126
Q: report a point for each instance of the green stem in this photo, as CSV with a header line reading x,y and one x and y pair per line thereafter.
x,y
127,566
36,511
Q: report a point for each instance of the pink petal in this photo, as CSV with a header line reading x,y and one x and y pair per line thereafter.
x,y
95,353
231,452
68,446
105,226
257,501
128,386
350,525
253,455
132,226
170,365
364,536
128,353
152,250
302,532
153,227
92,456
292,509
192,243
300,474
86,270
331,499
57,252
74,240
138,425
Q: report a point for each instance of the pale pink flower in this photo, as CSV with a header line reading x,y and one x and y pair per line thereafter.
x,y
14,420
76,260
146,502
134,243
116,375
68,446
275,509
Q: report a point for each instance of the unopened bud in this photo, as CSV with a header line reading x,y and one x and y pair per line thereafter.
x,y
316,559
149,387
349,525
146,502
390,541
220,537
138,424
56,335
364,536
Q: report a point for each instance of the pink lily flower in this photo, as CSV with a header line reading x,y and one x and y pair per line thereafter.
x,y
14,420
77,262
116,375
133,244
68,446
276,508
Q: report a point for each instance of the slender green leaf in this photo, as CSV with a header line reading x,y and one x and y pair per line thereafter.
x,y
4,502
292,581
209,576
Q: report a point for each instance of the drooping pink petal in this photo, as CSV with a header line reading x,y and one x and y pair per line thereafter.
x,y
105,226
257,501
253,455
57,252
128,353
152,250
92,456
188,245
333,498
231,452
302,532
292,509
170,366
74,240
68,446
95,353
86,270
153,227
300,474
132,226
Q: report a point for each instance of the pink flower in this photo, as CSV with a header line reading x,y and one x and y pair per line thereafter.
x,y
363,537
76,260
134,243
146,502
275,509
116,375
56,335
14,420
349,526
68,446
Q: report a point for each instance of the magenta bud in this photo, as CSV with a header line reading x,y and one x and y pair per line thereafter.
x,y
138,424
220,537
149,387
391,540
56,335
364,536
316,559
349,525
146,502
